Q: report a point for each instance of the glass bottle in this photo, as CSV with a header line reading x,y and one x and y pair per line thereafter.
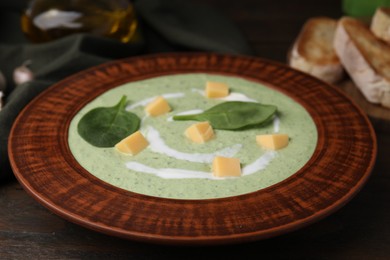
x,y
46,20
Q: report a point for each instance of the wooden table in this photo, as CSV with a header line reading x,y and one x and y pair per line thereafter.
x,y
360,230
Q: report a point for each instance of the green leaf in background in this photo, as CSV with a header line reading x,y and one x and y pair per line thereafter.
x,y
106,126
363,8
233,115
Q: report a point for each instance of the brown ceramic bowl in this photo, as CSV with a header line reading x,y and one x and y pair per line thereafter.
x,y
341,163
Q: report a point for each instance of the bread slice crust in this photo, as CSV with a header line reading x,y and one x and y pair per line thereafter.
x,y
315,41
380,24
313,51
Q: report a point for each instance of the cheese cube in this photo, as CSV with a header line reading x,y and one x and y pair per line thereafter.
x,y
199,132
158,107
226,167
216,90
132,144
272,141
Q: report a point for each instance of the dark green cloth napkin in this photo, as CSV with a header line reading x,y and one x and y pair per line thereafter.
x,y
166,26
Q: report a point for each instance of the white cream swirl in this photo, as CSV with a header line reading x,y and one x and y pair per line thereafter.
x,y
146,101
175,173
157,145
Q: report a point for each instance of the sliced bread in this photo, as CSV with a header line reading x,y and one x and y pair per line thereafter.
x,y
380,24
366,59
313,51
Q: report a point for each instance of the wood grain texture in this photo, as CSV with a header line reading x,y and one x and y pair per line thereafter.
x,y
342,161
379,115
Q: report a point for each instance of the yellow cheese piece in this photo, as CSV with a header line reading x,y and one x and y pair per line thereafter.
x,y
226,167
158,107
216,90
272,141
132,144
199,132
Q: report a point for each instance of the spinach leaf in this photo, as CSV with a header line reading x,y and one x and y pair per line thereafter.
x,y
106,126
233,115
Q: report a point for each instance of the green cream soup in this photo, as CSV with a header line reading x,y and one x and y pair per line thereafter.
x,y
172,166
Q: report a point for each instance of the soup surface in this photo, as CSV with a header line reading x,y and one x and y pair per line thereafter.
x,y
174,167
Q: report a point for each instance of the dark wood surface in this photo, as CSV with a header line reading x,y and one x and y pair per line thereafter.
x,y
360,230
